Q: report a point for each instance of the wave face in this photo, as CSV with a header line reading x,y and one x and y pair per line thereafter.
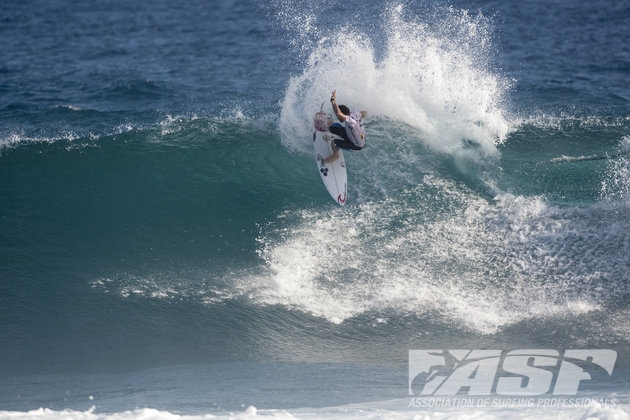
x,y
161,208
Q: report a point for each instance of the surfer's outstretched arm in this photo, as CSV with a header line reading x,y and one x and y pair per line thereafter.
x,y
340,115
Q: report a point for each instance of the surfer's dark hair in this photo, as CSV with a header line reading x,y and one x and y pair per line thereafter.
x,y
344,110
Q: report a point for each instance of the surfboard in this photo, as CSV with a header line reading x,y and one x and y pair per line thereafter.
x,y
333,173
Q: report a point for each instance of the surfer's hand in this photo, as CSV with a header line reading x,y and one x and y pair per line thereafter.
x,y
334,95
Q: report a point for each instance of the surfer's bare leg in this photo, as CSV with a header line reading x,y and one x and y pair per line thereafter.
x,y
335,154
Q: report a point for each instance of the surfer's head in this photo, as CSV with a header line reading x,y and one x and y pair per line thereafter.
x,y
344,110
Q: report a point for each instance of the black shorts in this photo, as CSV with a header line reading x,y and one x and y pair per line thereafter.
x,y
344,142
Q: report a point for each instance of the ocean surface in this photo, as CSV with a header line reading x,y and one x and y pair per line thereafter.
x,y
167,249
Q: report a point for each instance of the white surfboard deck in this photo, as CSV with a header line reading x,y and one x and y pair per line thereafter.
x,y
333,174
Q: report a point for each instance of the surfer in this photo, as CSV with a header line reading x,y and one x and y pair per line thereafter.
x,y
352,133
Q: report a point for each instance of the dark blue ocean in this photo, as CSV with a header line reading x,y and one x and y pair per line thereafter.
x,y
168,249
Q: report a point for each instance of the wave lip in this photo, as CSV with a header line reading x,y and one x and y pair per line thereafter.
x,y
434,73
